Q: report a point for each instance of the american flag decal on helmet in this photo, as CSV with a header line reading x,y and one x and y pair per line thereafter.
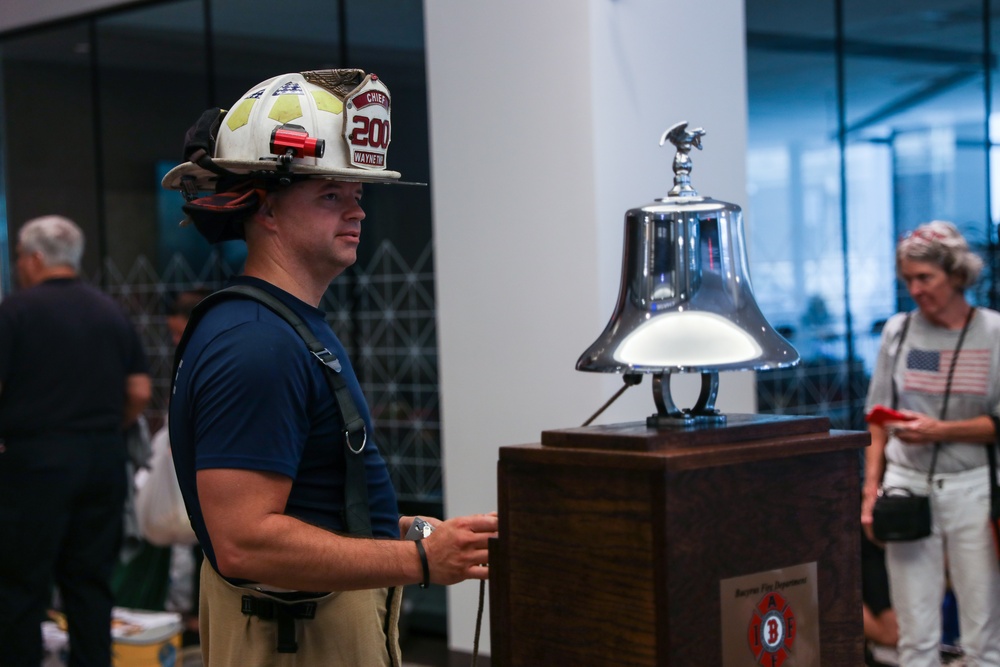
x,y
289,88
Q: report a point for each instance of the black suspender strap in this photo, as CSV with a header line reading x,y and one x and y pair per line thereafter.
x,y
356,513
283,613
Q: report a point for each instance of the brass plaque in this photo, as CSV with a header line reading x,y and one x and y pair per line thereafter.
x,y
771,618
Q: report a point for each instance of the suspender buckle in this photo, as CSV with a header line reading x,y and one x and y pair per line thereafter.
x,y
328,359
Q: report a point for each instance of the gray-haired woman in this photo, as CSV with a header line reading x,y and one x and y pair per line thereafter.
x,y
940,366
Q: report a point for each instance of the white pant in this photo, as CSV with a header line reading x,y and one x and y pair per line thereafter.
x,y
963,539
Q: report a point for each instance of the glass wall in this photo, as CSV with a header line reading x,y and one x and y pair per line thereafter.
x,y
866,119
94,110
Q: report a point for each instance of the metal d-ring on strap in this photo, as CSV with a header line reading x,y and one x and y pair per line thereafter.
x,y
356,513
354,424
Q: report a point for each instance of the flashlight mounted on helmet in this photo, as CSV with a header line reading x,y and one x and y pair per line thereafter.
x,y
290,141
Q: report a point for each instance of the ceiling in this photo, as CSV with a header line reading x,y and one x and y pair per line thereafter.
x,y
908,64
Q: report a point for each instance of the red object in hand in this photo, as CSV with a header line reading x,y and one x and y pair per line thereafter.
x,y
881,414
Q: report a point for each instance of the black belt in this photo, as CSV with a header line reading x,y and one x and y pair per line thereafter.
x,y
282,612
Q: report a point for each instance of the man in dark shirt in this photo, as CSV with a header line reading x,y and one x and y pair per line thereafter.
x,y
73,375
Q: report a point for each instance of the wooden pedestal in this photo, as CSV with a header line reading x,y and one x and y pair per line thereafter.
x,y
614,540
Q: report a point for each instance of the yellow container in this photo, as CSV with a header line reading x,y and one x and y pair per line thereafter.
x,y
166,653
145,639
139,639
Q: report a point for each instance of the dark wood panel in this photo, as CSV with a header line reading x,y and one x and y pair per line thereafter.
x,y
583,542
730,521
676,454
615,555
636,436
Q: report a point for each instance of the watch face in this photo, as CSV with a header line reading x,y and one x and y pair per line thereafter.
x,y
419,529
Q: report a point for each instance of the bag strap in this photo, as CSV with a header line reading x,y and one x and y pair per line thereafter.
x,y
899,348
356,513
947,386
991,454
895,389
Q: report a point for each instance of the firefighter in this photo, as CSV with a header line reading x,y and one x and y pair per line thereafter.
x,y
287,489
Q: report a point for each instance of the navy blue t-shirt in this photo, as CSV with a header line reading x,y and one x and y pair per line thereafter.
x,y
249,395
66,351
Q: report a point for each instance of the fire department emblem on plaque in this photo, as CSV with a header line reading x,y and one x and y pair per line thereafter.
x,y
771,632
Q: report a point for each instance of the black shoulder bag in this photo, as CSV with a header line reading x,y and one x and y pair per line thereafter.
x,y
899,515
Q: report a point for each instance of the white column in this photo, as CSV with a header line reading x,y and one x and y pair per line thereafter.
x,y
545,122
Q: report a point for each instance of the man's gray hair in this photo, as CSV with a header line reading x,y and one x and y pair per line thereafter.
x,y
57,239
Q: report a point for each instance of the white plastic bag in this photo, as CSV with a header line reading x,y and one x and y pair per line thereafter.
x,y
159,505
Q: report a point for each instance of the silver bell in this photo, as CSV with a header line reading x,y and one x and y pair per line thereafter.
x,y
685,303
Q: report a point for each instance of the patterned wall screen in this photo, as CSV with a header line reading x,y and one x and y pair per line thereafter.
x,y
383,312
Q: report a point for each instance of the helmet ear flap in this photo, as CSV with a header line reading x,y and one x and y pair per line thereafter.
x,y
201,136
199,145
220,217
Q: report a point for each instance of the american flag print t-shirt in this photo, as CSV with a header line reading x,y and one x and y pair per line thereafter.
x,y
927,371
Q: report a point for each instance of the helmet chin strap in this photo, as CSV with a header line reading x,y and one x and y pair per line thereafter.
x,y
200,157
282,177
200,145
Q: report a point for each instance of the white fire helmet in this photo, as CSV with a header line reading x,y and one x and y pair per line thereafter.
x,y
333,123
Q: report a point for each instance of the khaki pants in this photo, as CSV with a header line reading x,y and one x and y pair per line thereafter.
x,y
350,628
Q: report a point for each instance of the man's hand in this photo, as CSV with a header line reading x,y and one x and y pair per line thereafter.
x,y
138,392
457,549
